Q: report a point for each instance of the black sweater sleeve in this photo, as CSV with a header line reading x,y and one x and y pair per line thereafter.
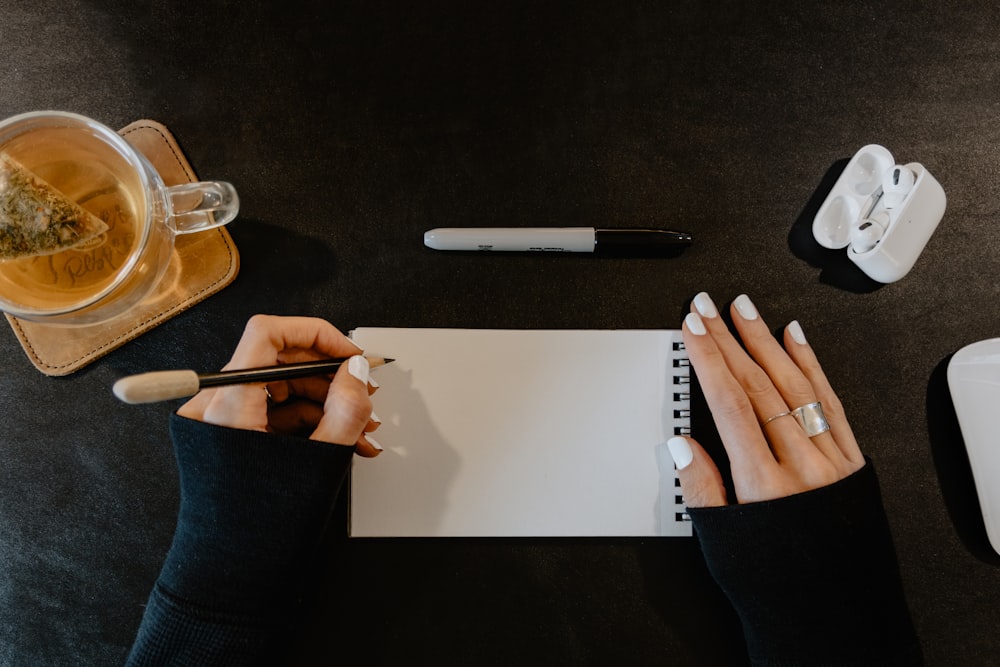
x,y
252,512
813,577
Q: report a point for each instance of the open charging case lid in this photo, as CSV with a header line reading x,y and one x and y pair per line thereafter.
x,y
857,195
851,195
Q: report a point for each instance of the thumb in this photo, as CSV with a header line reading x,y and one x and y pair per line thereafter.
x,y
701,482
348,407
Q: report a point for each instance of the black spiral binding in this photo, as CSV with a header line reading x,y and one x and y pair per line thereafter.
x,y
682,412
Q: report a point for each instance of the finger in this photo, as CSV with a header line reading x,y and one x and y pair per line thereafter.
x,y
731,409
314,388
195,407
805,358
765,350
300,411
265,336
373,423
764,397
348,407
787,442
238,406
368,447
311,388
794,387
701,482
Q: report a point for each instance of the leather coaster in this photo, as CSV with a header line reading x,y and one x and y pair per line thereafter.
x,y
202,264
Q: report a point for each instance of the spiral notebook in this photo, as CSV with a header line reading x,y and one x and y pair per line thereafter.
x,y
523,433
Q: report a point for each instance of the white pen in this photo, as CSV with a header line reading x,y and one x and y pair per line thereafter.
x,y
617,242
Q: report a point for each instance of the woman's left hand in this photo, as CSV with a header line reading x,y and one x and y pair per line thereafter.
x,y
752,395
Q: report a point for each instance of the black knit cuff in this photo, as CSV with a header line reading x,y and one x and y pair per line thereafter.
x,y
812,575
253,509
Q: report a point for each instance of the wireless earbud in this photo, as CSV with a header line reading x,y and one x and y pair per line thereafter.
x,y
896,184
866,234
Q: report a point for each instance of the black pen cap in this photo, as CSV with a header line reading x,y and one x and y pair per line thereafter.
x,y
640,242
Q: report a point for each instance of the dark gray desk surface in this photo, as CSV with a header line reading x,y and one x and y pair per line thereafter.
x,y
349,130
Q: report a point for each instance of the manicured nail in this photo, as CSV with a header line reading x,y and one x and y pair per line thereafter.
x,y
694,324
745,307
795,329
705,306
375,418
358,367
680,451
373,383
373,442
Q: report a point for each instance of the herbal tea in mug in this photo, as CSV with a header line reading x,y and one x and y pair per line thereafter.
x,y
86,224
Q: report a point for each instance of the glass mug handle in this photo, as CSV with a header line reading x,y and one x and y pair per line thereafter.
x,y
196,207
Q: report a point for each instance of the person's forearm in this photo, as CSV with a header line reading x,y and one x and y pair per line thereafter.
x,y
253,510
813,576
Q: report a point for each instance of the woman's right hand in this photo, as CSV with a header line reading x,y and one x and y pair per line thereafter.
x,y
337,410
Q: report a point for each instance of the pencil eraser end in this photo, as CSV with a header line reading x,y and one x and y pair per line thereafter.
x,y
157,386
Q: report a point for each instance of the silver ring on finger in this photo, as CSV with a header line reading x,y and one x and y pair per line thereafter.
x,y
811,418
777,416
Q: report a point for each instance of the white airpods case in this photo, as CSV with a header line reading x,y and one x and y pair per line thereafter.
x,y
857,197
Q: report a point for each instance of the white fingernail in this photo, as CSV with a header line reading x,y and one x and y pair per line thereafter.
x,y
358,367
795,329
680,451
706,307
373,442
694,324
375,418
373,383
745,307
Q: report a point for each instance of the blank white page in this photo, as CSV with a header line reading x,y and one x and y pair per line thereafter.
x,y
497,433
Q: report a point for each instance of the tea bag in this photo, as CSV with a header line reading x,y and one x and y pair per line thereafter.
x,y
35,218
